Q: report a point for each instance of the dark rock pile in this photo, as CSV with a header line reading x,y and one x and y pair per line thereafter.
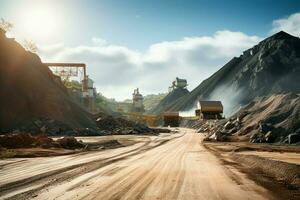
x,y
118,125
38,125
25,140
70,143
272,119
105,125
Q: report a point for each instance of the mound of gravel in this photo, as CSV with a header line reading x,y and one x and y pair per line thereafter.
x,y
270,67
70,143
118,125
29,90
26,140
270,119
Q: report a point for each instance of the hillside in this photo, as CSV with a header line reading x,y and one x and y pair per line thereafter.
x,y
105,104
279,114
169,99
272,119
270,67
29,90
152,100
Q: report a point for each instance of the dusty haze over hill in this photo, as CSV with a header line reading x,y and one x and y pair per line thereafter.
x,y
270,67
149,44
169,99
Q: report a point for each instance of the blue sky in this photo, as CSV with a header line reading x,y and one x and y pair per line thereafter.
x,y
142,23
138,24
147,38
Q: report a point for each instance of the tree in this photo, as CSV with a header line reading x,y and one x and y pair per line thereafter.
x,y
5,25
29,45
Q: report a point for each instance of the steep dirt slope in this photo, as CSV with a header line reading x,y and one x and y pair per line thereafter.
x,y
271,119
28,89
272,66
169,99
279,114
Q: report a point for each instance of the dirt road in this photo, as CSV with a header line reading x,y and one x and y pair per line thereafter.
x,y
158,167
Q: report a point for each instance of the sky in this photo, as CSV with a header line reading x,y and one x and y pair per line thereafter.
x,y
146,44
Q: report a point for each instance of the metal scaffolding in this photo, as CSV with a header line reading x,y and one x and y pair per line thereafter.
x,y
66,70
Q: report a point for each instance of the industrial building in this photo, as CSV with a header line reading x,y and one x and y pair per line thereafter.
x,y
137,101
89,95
209,109
178,83
84,90
134,110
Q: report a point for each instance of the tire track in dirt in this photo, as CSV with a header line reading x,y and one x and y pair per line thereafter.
x,y
134,177
180,168
66,174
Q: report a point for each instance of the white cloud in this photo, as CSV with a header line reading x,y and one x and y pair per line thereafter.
x,y
50,51
290,24
117,70
98,41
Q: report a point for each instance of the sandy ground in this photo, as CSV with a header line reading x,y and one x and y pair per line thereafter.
x,y
284,153
289,157
169,166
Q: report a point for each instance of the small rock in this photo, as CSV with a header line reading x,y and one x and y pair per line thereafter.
x,y
293,138
228,125
43,129
265,127
233,130
257,138
269,137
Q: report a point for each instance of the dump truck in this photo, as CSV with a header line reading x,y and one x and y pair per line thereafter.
x,y
171,119
209,109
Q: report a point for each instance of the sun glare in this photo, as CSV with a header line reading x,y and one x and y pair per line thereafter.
x,y
39,22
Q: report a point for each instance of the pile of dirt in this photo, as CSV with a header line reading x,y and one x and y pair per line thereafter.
x,y
106,144
168,100
25,140
270,67
279,170
33,100
38,125
273,173
29,90
275,118
118,125
271,119
70,143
